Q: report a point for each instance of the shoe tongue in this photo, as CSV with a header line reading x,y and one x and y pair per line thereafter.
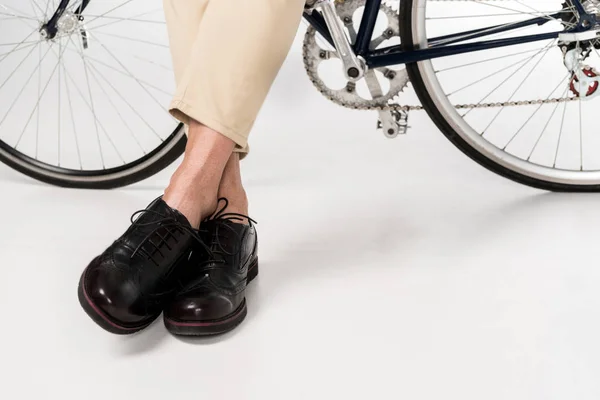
x,y
229,234
158,210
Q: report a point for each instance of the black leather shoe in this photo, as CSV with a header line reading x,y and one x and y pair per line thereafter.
x,y
125,288
212,299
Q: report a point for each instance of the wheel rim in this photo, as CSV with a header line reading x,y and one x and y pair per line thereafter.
x,y
92,102
499,137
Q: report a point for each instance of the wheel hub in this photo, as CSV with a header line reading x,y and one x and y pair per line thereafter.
x,y
67,24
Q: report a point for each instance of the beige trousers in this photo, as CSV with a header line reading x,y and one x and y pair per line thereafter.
x,y
226,55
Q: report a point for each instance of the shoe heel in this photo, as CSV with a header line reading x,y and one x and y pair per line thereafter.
x,y
252,271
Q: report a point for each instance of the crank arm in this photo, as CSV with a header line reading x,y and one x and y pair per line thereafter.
x,y
386,120
393,123
354,68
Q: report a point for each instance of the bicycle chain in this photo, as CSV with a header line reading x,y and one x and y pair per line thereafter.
x,y
400,107
405,108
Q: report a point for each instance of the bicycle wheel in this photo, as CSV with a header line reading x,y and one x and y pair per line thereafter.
x,y
87,109
526,117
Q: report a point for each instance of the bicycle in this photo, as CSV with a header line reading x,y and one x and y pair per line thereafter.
x,y
510,83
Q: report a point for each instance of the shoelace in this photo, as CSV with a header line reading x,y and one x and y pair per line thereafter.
x,y
167,222
221,215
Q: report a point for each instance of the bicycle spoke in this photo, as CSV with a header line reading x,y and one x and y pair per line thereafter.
x,y
509,105
471,84
95,28
114,106
21,48
158,65
111,10
73,124
503,57
33,42
96,120
160,105
116,109
17,67
507,79
34,6
536,11
16,47
562,125
539,107
545,53
125,73
37,103
124,53
127,19
135,111
15,12
133,39
74,5
485,15
533,14
94,97
92,107
47,8
14,16
22,89
544,130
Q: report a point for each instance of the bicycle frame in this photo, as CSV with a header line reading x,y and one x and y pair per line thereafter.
x,y
444,45
393,55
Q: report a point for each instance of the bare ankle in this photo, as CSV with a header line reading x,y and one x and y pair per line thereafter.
x,y
190,200
237,201
231,187
194,186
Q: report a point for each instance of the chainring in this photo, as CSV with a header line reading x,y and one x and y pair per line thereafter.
x,y
314,55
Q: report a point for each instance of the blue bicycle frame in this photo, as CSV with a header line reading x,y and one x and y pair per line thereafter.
x,y
445,45
438,47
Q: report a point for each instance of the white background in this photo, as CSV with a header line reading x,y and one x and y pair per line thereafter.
x,y
389,269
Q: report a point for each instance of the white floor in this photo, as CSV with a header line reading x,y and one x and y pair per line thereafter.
x,y
389,269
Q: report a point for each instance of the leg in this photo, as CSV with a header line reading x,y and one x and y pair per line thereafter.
x,y
184,18
234,60
194,186
224,88
223,77
237,54
183,22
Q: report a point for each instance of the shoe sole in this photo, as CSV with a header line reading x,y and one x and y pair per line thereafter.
x,y
215,327
101,319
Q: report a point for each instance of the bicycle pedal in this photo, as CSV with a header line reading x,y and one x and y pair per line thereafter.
x,y
393,123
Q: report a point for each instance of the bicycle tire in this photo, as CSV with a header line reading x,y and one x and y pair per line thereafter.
x,y
154,162
407,31
83,54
